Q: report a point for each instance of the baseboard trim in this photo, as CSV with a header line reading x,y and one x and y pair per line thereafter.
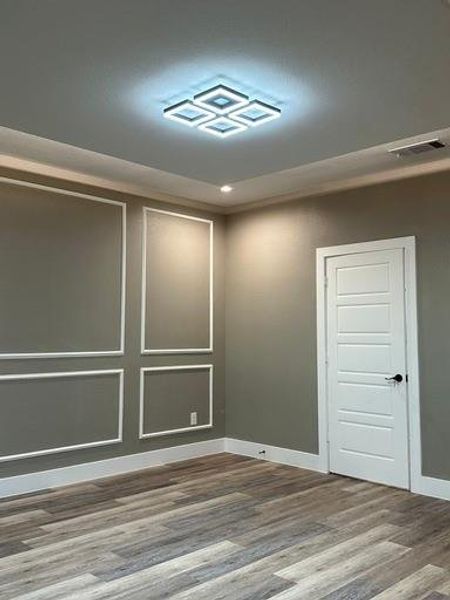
x,y
54,478
34,482
432,486
293,458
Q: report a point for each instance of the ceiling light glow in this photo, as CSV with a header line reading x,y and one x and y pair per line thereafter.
x,y
221,99
222,111
188,113
222,127
256,113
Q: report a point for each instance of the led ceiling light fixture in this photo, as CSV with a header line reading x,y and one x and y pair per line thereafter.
x,y
222,127
221,99
222,111
187,113
256,113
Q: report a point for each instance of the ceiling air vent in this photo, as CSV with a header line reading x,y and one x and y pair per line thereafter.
x,y
418,148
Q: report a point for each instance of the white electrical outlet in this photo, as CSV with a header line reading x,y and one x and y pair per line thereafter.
x,y
193,418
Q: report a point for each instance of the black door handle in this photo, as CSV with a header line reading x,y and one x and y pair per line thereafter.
x,y
398,378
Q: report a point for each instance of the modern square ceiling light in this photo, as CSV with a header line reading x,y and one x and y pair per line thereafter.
x,y
186,112
256,113
222,111
222,127
221,99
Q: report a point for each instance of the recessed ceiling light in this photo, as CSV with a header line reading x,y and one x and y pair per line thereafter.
x,y
226,189
222,111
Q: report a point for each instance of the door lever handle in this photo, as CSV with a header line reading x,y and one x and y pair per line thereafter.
x,y
397,378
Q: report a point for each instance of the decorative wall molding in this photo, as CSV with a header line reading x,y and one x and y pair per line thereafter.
x,y
145,350
33,482
209,425
63,354
284,456
118,439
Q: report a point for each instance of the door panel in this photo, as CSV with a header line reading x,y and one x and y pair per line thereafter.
x,y
368,430
373,358
363,279
363,318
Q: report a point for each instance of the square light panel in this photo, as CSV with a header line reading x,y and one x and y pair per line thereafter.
x,y
187,113
221,99
256,113
222,127
222,111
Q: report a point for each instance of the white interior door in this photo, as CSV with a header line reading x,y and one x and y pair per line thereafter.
x,y
366,347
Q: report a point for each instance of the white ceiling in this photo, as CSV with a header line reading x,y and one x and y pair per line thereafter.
x,y
351,77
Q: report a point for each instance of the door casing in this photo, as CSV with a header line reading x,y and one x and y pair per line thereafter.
x,y
408,244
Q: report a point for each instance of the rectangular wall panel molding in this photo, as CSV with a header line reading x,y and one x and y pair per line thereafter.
x,y
49,413
177,283
183,390
62,272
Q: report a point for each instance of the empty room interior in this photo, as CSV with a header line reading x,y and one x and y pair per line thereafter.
x,y
225,300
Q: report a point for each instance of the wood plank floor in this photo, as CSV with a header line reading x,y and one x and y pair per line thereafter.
x,y
224,527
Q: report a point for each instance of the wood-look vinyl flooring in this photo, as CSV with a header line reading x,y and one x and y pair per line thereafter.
x,y
224,527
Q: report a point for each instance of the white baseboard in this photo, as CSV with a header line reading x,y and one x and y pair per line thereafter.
x,y
53,478
33,482
432,486
284,456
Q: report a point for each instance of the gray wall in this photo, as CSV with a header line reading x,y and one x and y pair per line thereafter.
x,y
271,320
60,271
177,282
185,390
60,267
271,315
56,412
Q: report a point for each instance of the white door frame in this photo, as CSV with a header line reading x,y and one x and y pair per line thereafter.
x,y
408,244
